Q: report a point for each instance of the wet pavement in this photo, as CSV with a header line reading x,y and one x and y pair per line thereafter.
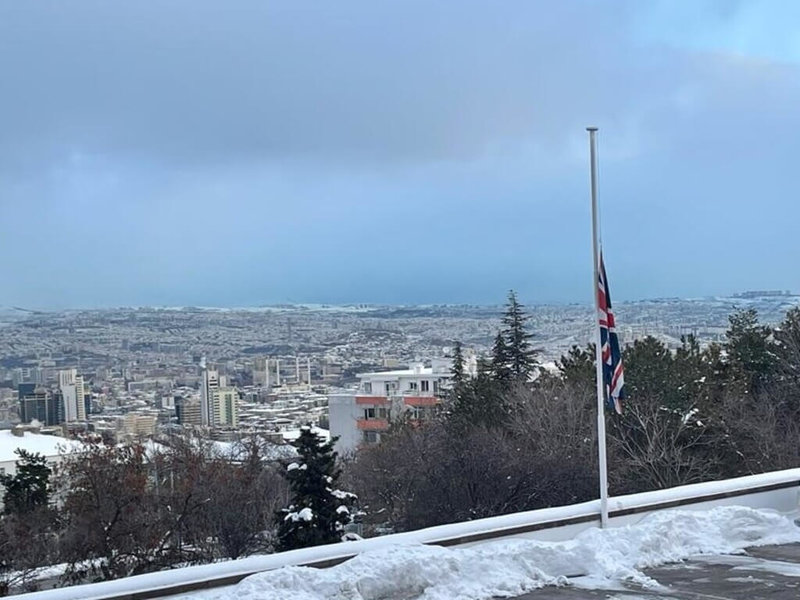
x,y
766,573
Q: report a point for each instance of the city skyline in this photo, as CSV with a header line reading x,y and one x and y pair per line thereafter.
x,y
394,153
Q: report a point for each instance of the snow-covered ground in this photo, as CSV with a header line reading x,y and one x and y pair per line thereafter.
x,y
595,558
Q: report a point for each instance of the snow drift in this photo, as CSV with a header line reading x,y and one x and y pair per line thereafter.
x,y
514,566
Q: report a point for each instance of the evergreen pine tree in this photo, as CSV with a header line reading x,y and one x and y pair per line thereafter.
x,y
457,369
28,488
458,380
750,349
692,372
578,366
318,511
500,369
521,357
650,375
481,401
787,337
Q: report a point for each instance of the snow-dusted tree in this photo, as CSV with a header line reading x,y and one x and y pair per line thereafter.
x,y
318,511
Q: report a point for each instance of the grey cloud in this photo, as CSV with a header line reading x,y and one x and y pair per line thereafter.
x,y
207,81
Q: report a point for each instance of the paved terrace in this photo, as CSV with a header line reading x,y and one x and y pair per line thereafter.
x,y
766,573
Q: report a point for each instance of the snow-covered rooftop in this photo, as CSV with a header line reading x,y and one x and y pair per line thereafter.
x,y
429,371
398,373
46,445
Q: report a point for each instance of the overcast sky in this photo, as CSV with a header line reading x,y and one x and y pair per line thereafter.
x,y
241,153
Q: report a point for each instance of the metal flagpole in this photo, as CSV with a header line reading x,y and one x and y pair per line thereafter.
x,y
601,417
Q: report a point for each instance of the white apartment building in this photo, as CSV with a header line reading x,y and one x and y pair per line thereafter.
x,y
362,416
67,377
218,402
225,407
73,391
208,383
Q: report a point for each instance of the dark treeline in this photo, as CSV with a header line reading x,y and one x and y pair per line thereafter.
x,y
508,442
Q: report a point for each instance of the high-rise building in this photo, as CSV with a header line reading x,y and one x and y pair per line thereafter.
x,y
36,402
67,377
25,389
33,403
225,405
218,402
261,371
74,395
208,384
188,411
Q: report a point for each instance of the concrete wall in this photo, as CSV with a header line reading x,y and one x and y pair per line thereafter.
x,y
342,414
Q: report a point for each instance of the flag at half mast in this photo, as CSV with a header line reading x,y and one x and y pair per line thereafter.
x,y
613,377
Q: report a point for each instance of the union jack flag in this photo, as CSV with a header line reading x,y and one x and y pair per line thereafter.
x,y
613,378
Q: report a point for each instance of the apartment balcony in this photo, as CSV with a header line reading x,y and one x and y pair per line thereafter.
x,y
372,424
420,401
372,400
418,393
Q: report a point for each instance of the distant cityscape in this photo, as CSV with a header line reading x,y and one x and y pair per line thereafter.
x,y
130,373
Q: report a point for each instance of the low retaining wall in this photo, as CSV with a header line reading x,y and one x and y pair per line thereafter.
x,y
777,491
